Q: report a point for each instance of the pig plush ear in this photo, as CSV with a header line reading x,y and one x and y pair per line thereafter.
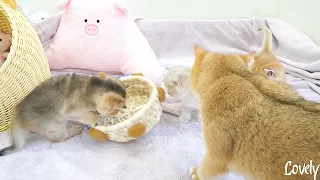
x,y
63,4
121,10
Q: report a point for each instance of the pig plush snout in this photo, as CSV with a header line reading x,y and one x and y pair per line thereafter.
x,y
91,29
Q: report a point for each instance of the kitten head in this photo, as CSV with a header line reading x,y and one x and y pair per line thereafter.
x,y
176,82
265,64
111,104
109,94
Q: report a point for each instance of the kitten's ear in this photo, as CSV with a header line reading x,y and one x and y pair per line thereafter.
x,y
174,81
248,57
251,55
113,100
270,73
178,80
102,75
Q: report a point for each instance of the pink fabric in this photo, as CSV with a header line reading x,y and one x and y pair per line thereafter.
x,y
101,35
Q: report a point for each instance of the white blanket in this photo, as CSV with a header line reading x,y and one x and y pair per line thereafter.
x,y
173,42
171,148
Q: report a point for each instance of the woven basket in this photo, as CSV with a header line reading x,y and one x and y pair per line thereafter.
x,y
26,65
143,110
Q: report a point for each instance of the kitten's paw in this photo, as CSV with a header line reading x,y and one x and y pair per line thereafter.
x,y
99,122
74,130
185,118
194,173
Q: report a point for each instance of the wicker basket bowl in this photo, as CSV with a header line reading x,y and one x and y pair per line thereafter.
x,y
26,65
141,115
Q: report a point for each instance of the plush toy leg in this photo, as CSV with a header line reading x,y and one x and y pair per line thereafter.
x,y
98,135
162,94
137,130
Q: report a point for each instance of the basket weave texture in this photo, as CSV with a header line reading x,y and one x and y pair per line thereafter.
x,y
26,66
143,107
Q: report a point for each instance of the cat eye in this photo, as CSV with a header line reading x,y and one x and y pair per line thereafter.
x,y
98,21
0,39
86,20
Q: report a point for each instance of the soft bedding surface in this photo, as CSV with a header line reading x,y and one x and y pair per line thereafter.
x,y
171,148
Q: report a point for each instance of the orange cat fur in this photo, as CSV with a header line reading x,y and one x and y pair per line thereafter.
x,y
264,62
251,125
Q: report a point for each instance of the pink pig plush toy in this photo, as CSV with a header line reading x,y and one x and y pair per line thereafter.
x,y
101,35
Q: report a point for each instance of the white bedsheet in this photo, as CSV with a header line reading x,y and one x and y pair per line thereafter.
x,y
165,153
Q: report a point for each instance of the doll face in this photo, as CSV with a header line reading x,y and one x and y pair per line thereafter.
x,y
5,41
92,19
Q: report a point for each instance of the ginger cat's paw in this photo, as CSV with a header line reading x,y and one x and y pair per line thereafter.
x,y
194,173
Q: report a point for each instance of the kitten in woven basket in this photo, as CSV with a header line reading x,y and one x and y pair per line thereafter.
x,y
176,81
252,125
47,109
264,62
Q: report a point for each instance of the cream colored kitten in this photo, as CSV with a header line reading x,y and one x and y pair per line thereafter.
x,y
176,81
264,62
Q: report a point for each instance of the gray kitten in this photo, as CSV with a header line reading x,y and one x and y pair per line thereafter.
x,y
47,109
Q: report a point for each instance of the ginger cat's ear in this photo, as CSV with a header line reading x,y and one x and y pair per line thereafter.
x,y
198,50
199,53
195,69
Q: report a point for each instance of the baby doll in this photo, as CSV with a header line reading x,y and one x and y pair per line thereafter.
x,y
5,42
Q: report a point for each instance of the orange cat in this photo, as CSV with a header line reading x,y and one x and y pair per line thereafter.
x,y
264,62
253,126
